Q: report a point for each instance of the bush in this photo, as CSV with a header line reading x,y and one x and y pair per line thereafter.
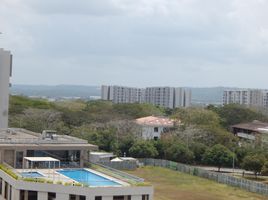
x,y
143,149
9,172
219,156
264,170
253,163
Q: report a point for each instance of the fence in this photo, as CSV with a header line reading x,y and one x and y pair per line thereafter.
x,y
124,165
248,185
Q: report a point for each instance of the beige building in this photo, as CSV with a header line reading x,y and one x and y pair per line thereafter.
x,y
5,73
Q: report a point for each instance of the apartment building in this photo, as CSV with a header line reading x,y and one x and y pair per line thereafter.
x,y
5,73
119,94
248,97
168,97
48,166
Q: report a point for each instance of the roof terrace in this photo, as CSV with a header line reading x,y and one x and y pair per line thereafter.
x,y
22,136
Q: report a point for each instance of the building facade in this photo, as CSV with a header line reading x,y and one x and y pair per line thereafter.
x,y
247,97
167,97
5,73
71,178
153,127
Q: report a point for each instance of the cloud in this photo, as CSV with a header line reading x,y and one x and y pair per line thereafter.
x,y
199,41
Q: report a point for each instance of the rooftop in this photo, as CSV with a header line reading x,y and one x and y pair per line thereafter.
x,y
255,126
155,121
17,136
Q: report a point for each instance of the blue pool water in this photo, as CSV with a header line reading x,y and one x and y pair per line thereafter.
x,y
31,174
87,177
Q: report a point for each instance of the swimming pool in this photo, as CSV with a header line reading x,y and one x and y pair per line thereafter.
x,y
31,174
87,177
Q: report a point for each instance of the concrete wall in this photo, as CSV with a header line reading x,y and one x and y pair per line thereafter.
x,y
5,72
63,191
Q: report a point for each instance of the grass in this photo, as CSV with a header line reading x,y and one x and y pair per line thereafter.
x,y
172,185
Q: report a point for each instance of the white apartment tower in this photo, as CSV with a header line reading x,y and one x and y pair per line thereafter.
x,y
5,74
248,97
168,97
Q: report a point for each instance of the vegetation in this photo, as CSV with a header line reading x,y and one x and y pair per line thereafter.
x,y
170,185
202,137
8,171
253,163
218,156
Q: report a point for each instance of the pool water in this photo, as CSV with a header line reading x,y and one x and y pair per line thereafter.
x,y
31,175
87,177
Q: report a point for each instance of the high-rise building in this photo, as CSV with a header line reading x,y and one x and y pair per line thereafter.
x,y
248,97
168,97
5,74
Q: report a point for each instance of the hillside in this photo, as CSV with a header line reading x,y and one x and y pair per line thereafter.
x,y
209,95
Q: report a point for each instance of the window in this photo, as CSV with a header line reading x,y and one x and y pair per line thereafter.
x,y
22,194
6,190
145,197
74,197
32,195
1,186
51,196
98,198
119,198
156,129
155,138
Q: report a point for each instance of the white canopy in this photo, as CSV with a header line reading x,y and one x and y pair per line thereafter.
x,y
41,159
116,160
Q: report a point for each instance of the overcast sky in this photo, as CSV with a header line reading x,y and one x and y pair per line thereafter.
x,y
137,42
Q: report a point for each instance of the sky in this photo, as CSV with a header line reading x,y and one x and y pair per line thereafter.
x,y
198,43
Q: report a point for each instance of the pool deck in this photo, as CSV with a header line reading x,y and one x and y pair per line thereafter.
x,y
54,176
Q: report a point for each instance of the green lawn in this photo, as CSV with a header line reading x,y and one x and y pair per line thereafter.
x,y
172,185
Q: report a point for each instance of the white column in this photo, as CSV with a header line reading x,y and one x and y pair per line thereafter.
x,y
26,194
136,197
90,197
42,196
15,193
60,196
107,198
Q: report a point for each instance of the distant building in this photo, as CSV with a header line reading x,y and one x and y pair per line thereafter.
x,y
153,127
248,97
167,97
255,131
5,73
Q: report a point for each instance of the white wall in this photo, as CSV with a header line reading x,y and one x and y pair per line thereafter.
x,y
5,64
148,132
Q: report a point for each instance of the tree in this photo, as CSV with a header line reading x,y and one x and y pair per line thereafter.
x,y
197,116
219,156
199,150
253,163
180,153
264,170
233,114
143,149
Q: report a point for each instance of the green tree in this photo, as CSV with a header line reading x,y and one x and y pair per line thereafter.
x,y
233,114
219,156
253,163
264,169
143,149
197,116
199,150
180,153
